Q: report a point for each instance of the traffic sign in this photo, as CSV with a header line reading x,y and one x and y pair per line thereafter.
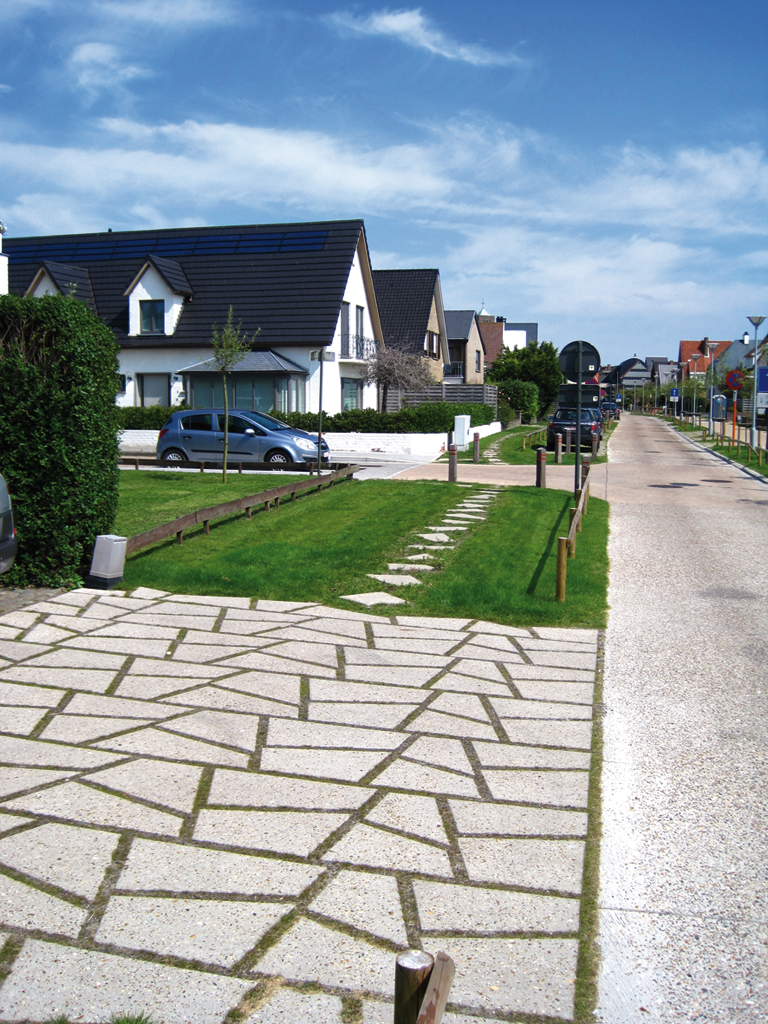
x,y
762,379
735,380
602,392
618,398
674,394
569,361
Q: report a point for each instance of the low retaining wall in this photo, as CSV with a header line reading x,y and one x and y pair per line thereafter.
x,y
397,444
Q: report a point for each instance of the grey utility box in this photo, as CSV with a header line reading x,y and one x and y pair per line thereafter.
x,y
108,561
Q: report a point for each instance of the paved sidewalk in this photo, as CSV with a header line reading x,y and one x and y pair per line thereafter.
x,y
211,803
684,905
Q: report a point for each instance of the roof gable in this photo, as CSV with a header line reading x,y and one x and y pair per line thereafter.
x,y
405,298
68,280
170,271
458,323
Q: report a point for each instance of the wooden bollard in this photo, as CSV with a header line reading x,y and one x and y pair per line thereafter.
x,y
248,512
572,545
180,537
412,971
594,447
476,448
568,434
202,467
438,989
293,495
136,463
266,506
207,526
453,464
585,467
239,467
562,554
558,449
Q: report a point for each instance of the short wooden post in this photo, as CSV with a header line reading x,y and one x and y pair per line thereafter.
x,y
476,448
239,467
585,466
293,495
453,464
180,537
137,463
523,442
572,544
562,554
207,526
266,506
202,467
594,446
558,449
438,989
412,971
248,512
277,502
568,434
586,499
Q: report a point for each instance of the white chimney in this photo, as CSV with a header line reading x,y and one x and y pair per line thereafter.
x,y
3,263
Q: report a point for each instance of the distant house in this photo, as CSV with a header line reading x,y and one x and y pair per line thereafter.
x,y
410,304
302,287
700,365
498,334
465,345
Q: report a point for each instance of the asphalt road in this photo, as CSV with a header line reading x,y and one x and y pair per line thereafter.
x,y
684,902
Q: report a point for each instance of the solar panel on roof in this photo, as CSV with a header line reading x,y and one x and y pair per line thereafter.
x,y
183,245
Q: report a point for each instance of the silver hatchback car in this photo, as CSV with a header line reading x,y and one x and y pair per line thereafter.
x,y
197,435
8,542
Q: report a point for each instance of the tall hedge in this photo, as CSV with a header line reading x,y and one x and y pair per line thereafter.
x,y
58,434
429,418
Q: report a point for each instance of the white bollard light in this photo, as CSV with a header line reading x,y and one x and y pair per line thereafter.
x,y
108,561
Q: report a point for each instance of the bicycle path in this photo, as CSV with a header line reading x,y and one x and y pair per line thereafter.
x,y
683,907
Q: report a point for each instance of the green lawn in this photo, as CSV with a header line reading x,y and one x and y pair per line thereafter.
x,y
511,451
323,545
486,441
149,498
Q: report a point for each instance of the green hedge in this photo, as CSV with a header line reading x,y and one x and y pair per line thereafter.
x,y
430,418
154,417
58,425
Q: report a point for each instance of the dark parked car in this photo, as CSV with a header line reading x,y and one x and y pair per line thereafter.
x,y
611,409
197,435
8,543
565,420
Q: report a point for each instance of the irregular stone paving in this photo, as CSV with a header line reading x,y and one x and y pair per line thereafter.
x,y
468,512
209,803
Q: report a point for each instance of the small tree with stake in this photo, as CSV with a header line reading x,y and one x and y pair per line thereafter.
x,y
229,348
397,369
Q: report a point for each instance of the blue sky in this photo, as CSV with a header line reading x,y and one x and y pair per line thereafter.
x,y
598,167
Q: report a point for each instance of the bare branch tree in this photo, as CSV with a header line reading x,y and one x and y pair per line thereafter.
x,y
229,348
394,368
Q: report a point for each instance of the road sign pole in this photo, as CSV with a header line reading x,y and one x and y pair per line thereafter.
x,y
577,456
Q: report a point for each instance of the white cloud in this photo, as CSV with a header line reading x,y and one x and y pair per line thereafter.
x,y
169,13
97,67
414,28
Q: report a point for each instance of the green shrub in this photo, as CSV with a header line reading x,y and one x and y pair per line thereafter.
x,y
429,418
155,417
58,425
523,396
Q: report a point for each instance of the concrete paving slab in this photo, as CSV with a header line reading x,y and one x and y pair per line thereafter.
x,y
446,753
22,906
497,755
17,780
461,908
374,598
556,788
247,789
374,715
490,819
159,782
364,901
156,743
297,832
404,774
547,864
73,859
343,765
416,815
376,848
287,1006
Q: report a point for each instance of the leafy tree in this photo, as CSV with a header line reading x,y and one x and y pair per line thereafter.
x,y
229,348
523,396
537,363
394,368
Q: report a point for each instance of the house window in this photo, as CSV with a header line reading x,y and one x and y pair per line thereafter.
x,y
345,330
477,362
351,393
154,389
359,321
152,313
121,386
432,344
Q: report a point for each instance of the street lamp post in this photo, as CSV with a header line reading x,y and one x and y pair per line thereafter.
x,y
695,356
755,321
711,346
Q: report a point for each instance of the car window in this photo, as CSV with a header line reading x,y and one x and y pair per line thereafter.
x,y
236,425
199,421
267,421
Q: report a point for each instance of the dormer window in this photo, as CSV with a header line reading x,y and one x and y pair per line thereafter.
x,y
152,312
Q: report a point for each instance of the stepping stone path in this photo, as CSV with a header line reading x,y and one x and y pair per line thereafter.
x,y
470,510
211,804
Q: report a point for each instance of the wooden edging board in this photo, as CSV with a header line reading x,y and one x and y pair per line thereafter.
x,y
204,515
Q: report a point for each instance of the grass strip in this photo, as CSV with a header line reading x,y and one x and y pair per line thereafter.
x,y
505,569
511,451
148,499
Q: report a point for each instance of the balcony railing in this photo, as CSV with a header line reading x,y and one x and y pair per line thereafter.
x,y
453,370
358,347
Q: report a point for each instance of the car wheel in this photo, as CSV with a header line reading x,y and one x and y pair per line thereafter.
x,y
278,455
174,455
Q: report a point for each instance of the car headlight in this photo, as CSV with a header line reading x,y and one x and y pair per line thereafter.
x,y
304,443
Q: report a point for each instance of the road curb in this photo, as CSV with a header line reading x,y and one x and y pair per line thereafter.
x,y
723,458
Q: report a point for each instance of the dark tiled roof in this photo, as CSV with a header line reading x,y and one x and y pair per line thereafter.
x,y
404,298
254,362
458,323
173,274
71,279
286,279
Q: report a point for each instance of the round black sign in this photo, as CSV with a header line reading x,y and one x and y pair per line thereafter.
x,y
569,361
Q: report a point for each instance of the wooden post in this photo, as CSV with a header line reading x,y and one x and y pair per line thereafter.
x,y
239,467
585,465
594,446
438,989
293,495
523,442
207,526
586,499
202,466
412,971
567,441
248,512
572,545
266,506
137,464
541,467
180,537
562,554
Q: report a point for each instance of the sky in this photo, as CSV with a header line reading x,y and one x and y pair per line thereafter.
x,y
597,167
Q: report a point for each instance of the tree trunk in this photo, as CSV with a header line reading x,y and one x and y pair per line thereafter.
x,y
226,430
